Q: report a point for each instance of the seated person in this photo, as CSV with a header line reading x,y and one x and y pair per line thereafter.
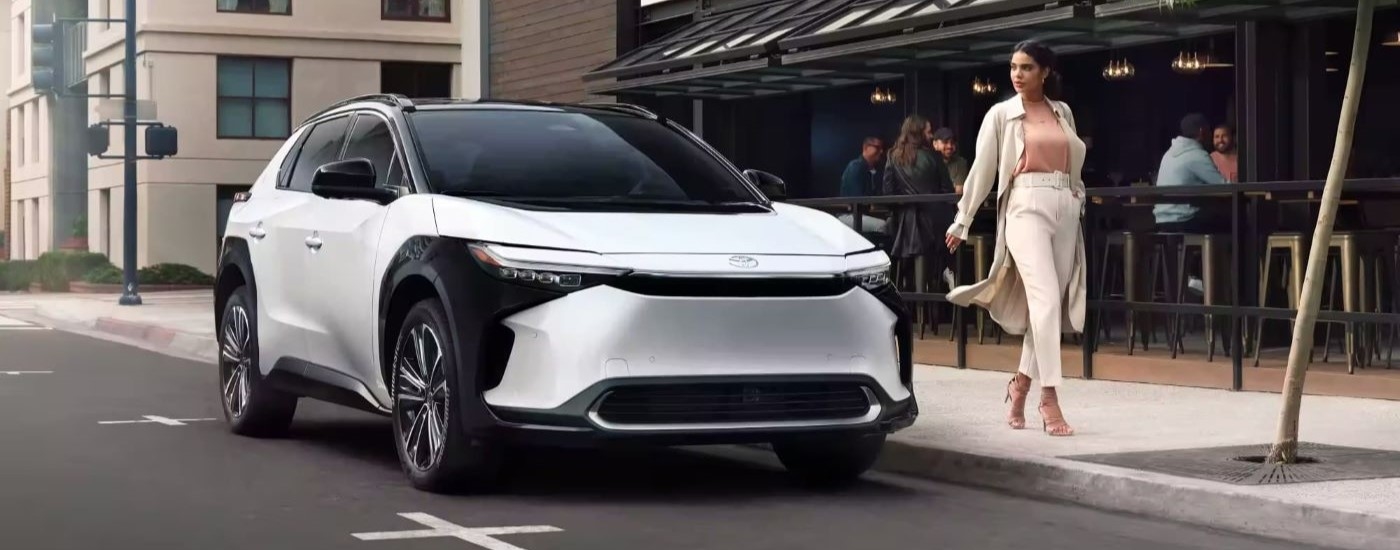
x,y
863,178
1188,163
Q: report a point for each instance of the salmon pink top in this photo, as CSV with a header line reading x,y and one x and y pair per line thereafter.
x,y
1047,146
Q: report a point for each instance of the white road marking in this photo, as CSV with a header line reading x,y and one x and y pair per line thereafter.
x,y
7,323
19,372
152,419
481,536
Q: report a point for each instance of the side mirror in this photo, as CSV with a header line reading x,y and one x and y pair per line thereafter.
x,y
350,179
769,184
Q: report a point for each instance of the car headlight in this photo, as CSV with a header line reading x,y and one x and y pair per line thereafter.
x,y
556,277
871,278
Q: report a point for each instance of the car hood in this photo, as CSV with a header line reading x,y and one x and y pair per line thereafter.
x,y
788,230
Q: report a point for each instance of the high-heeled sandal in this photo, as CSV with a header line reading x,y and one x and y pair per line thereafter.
x,y
1016,394
1052,418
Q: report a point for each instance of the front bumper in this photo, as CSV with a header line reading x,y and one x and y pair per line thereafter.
x,y
577,422
569,353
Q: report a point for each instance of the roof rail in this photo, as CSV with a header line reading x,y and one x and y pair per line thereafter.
x,y
624,107
394,100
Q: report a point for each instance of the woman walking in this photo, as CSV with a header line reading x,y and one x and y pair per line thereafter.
x,y
1028,146
914,169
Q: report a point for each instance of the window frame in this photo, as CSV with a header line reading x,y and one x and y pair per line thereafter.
x,y
284,183
218,99
396,158
247,12
384,14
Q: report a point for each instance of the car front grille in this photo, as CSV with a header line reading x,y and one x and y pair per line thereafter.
x,y
734,403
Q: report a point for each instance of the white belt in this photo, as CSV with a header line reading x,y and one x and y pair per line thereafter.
x,y
1058,180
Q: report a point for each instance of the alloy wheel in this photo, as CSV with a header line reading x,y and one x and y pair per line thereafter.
x,y
421,388
235,361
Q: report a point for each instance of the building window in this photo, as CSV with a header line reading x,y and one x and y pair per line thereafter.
x,y
254,98
275,7
22,135
21,40
417,10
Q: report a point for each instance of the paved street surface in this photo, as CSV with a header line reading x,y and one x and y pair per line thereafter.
x,y
108,446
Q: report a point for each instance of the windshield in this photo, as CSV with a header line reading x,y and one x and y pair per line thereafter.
x,y
570,160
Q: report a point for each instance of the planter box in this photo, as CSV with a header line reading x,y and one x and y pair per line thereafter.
x,y
81,287
36,288
74,244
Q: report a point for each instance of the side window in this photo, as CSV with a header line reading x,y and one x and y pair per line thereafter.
x,y
322,145
372,140
284,170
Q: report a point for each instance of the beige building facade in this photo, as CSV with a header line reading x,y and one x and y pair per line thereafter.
x,y
234,76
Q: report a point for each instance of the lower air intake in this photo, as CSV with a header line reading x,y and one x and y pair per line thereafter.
x,y
729,403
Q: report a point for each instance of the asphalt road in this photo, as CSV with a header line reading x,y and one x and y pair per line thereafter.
x,y
67,481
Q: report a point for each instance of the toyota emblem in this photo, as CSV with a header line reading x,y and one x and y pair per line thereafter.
x,y
743,262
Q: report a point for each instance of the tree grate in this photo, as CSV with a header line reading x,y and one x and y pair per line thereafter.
x,y
1243,464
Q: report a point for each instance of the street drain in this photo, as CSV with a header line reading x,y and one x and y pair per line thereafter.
x,y
1245,464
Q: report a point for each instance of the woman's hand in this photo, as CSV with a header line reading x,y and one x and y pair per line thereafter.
x,y
953,242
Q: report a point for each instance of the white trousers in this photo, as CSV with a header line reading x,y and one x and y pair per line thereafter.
x,y
1042,232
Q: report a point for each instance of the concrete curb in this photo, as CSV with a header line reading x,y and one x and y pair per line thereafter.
x,y
162,338
146,335
1214,505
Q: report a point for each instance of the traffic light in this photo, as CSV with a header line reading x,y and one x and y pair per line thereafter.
x,y
43,70
99,139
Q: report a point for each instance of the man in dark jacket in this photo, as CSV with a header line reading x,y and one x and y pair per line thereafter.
x,y
864,175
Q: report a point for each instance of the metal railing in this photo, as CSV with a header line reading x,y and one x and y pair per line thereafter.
x,y
1246,240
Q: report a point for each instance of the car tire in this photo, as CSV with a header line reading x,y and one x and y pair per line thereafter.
x,y
452,461
829,461
251,406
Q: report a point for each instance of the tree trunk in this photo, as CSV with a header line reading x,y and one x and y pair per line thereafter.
x,y
1285,448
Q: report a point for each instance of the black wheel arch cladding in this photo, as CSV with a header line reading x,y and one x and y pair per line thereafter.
x,y
235,267
474,302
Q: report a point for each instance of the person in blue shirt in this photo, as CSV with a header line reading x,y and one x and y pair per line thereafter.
x,y
865,174
864,177
1188,162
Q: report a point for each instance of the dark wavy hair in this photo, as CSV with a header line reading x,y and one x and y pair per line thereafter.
x,y
911,140
1045,57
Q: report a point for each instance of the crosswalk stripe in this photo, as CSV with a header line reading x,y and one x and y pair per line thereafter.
x,y
7,323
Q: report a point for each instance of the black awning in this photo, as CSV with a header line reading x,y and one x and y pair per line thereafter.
x,y
790,46
742,34
867,19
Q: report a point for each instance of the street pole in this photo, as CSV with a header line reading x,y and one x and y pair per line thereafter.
x,y
130,296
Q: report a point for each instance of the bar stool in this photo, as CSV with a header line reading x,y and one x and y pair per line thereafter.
x,y
1164,284
1124,282
1208,247
1352,247
980,246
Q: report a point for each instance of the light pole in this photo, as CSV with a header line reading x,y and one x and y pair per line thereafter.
x,y
130,296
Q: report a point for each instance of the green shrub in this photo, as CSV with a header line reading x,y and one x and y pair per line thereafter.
x,y
80,227
16,275
56,269
104,275
174,274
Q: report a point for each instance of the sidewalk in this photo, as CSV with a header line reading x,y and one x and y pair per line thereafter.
x,y
961,436
177,323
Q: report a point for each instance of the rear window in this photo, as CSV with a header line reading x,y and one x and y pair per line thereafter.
x,y
565,155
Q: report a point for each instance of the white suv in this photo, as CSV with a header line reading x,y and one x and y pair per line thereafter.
x,y
493,273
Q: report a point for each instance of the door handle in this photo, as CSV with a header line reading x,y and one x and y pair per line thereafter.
x,y
257,232
313,242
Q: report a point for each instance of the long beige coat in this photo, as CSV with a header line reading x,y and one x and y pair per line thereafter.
x,y
1000,143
